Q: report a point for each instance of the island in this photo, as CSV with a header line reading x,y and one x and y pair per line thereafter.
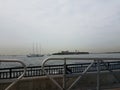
x,y
69,53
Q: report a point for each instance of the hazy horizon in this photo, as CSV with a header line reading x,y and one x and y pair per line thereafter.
x,y
58,25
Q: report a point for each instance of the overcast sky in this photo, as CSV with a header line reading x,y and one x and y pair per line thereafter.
x,y
55,25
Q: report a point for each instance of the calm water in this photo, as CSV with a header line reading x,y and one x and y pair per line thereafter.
x,y
36,61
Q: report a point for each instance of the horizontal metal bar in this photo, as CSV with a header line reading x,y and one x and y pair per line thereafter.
x,y
78,58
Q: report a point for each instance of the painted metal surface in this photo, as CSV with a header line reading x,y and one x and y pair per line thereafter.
x,y
15,60
97,60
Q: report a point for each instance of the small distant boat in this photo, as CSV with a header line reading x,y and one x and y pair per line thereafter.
x,y
35,53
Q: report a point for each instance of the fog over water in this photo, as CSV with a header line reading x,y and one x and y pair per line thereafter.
x,y
56,25
37,61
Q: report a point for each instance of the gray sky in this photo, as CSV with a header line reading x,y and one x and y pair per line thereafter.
x,y
55,25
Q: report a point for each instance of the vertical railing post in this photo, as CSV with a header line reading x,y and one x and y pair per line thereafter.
x,y
98,74
10,73
64,75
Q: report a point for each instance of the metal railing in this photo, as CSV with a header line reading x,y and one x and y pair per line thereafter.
x,y
8,73
32,71
96,62
20,76
14,72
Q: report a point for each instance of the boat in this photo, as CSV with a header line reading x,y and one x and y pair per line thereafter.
x,y
35,53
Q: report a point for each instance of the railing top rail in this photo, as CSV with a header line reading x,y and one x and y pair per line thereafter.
x,y
77,58
80,58
12,60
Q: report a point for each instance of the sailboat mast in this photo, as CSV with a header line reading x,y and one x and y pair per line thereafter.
x,y
33,49
37,48
40,48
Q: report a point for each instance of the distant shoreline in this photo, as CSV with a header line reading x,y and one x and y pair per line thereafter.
x,y
106,53
112,52
69,53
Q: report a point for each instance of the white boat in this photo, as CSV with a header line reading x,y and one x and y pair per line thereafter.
x,y
35,53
